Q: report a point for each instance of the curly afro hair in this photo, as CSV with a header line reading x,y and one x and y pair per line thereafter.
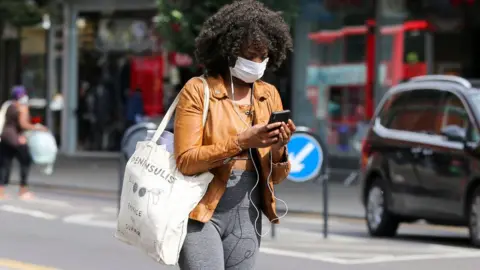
x,y
234,26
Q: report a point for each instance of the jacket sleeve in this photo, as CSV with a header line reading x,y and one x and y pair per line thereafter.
x,y
192,157
281,168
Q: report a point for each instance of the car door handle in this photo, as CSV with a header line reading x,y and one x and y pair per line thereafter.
x,y
427,152
416,150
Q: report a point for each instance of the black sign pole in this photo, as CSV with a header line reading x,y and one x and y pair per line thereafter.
x,y
323,176
325,203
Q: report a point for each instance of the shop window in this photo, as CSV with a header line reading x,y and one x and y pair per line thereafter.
x,y
33,52
118,54
344,102
347,124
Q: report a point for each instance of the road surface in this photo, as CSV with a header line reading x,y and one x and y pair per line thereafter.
x,y
75,232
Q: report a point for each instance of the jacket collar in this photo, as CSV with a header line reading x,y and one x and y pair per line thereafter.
x,y
219,91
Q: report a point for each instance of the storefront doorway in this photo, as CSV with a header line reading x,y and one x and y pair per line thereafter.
x,y
119,60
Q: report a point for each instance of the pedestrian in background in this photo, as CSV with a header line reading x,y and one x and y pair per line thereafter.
x,y
14,142
245,153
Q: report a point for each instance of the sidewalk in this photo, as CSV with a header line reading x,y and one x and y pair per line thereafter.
x,y
92,174
100,175
308,197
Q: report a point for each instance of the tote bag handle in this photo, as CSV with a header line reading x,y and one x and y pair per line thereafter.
x,y
171,110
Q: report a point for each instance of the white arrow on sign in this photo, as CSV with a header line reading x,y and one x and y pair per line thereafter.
x,y
296,160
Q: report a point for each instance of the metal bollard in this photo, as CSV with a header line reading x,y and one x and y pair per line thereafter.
x,y
325,202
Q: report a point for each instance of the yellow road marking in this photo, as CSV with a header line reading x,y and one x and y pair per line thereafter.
x,y
16,265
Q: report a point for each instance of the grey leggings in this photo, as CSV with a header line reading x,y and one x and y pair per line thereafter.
x,y
228,240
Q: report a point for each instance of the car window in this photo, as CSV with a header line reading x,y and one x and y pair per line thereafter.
x,y
474,135
392,107
420,113
454,114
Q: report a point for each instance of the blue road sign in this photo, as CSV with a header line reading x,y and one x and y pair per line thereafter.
x,y
306,157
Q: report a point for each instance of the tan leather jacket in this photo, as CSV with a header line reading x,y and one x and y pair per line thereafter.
x,y
210,148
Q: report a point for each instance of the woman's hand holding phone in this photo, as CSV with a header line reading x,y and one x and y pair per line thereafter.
x,y
276,134
260,136
278,149
286,131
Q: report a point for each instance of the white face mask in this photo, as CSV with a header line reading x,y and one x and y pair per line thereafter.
x,y
248,71
23,100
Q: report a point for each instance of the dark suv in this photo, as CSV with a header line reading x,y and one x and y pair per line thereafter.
x,y
421,156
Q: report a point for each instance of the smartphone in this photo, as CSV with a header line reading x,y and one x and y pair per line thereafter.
x,y
281,116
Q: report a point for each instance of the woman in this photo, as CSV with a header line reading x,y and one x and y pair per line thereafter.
x,y
246,154
14,142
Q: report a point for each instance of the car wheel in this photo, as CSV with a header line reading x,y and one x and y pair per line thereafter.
x,y
474,218
380,221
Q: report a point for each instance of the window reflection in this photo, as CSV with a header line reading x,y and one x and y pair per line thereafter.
x,y
33,73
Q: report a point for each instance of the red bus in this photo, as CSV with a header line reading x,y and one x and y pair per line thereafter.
x,y
341,75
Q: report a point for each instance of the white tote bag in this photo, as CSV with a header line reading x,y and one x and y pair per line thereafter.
x,y
157,199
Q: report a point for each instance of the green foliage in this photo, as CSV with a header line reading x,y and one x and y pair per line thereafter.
x,y
180,21
20,12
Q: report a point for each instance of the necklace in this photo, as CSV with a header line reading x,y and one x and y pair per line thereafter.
x,y
249,112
